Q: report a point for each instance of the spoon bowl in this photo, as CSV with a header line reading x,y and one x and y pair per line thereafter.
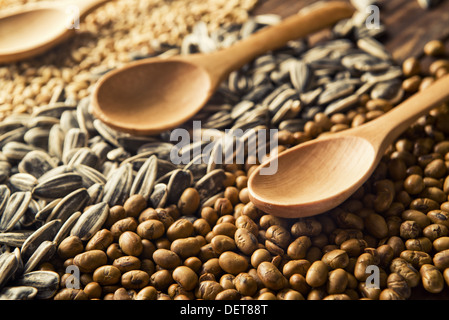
x,y
33,29
154,95
153,92
318,175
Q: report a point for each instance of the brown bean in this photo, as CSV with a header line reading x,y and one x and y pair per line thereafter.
x,y
100,240
278,235
208,290
107,275
376,225
135,279
414,184
420,218
247,223
147,293
70,247
432,279
354,247
336,259
259,256
434,231
245,284
299,247
232,262
116,213
186,247
397,283
317,274
134,205
271,277
390,294
150,229
441,244
166,259
181,228
362,263
228,294
296,267
114,251
419,244
441,259
337,281
122,225
90,260
439,216
130,243
406,270
93,290
186,277
245,241
225,228
221,243
71,294
127,263
409,229
189,201
416,258
306,227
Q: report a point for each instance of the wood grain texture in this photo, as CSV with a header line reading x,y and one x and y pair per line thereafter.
x,y
409,26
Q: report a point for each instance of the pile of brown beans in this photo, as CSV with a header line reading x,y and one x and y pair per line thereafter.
x,y
398,221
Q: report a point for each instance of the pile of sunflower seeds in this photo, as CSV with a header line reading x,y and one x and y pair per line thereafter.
x,y
59,160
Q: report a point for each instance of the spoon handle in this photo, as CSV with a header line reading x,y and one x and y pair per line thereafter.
x,y
385,129
309,20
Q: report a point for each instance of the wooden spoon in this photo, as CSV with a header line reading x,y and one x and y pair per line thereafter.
x,y
318,175
153,95
33,29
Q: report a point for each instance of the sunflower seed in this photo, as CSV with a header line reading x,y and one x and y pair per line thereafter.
x,y
211,183
15,151
13,135
43,213
334,91
96,192
373,47
46,283
18,293
179,181
29,217
117,188
8,267
42,253
37,137
14,238
89,175
45,233
90,221
341,105
158,197
75,138
43,122
14,210
389,90
36,163
54,110
58,186
108,134
84,156
145,178
56,141
73,202
64,230
22,182
54,172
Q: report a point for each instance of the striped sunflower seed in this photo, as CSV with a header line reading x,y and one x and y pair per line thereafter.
x,y
45,233
42,253
90,221
46,283
18,293
14,210
58,186
8,267
73,202
36,163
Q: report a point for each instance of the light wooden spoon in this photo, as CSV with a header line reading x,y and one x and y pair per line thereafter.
x,y
318,175
153,95
33,29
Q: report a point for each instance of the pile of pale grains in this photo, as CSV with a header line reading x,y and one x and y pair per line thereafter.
x,y
109,37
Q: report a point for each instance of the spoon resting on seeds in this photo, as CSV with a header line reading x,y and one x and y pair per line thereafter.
x,y
35,28
318,175
154,95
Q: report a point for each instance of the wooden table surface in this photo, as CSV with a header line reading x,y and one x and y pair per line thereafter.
x,y
409,26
